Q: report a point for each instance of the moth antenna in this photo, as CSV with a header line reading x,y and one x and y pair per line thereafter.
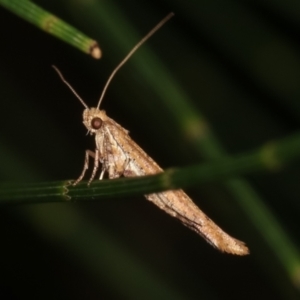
x,y
69,85
145,38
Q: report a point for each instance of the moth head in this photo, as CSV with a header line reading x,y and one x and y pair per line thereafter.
x,y
93,119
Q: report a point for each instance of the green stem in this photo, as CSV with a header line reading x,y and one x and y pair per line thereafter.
x,y
53,25
267,158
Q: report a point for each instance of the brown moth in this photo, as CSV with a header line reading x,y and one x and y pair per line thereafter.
x,y
119,156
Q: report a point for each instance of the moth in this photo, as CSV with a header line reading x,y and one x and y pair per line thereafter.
x,y
119,155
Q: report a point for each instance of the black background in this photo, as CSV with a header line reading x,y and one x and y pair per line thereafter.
x,y
236,62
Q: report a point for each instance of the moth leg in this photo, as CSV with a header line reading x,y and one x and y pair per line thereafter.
x,y
116,170
96,166
103,168
88,153
108,160
112,172
111,168
104,158
102,172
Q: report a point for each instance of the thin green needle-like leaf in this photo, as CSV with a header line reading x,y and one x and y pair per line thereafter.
x,y
280,153
53,25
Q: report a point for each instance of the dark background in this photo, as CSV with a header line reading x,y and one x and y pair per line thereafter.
x,y
236,62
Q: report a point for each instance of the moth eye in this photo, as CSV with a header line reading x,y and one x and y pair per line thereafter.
x,y
96,123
